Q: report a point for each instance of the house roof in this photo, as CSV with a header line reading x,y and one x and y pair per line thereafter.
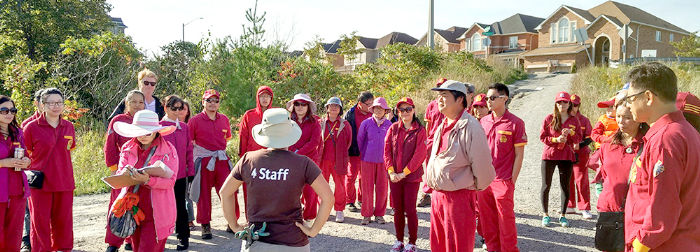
x,y
396,37
118,22
451,34
369,43
610,19
582,13
518,23
480,25
331,47
556,50
629,14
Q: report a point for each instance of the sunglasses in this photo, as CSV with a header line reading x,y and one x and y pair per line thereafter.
x,y
300,104
493,98
210,100
177,108
562,102
151,83
406,109
5,111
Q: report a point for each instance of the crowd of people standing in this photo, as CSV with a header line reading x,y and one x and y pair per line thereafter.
x,y
467,157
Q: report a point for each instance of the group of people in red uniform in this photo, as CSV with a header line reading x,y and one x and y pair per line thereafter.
x,y
469,157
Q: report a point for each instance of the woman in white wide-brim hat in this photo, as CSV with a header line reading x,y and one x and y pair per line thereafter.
x,y
276,177
156,195
303,111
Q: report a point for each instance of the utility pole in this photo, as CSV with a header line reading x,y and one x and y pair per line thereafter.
x,y
431,25
185,24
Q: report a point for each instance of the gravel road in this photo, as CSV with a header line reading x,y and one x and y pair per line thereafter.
x,y
533,101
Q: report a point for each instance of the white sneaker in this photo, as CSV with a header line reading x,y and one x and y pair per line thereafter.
x,y
587,214
410,248
570,210
339,217
398,247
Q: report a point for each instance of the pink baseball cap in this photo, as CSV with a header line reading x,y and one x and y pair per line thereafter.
x,y
563,96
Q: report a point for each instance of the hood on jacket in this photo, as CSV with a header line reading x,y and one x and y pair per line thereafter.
x,y
261,89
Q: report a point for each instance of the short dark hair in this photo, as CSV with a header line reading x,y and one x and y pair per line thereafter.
x,y
501,88
655,77
37,95
49,91
364,96
457,94
171,100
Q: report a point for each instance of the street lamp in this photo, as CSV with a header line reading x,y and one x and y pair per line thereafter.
x,y
185,24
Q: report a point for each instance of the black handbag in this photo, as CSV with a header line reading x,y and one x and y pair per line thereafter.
x,y
610,231
35,179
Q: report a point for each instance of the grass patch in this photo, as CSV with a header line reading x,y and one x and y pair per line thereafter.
x,y
88,160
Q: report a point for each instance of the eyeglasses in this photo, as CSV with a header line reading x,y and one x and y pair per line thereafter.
x,y
5,111
210,100
627,100
177,108
493,98
300,104
368,104
152,83
406,109
53,104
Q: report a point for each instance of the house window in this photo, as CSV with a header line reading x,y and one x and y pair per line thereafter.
x,y
468,45
513,42
476,42
572,37
670,37
553,33
658,36
564,31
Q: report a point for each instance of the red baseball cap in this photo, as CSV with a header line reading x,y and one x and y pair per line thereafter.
x,y
575,99
563,96
607,104
210,93
688,103
406,100
479,100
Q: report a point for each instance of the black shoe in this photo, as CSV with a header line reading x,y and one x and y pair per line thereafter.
x,y
183,244
351,207
128,247
206,232
425,201
112,249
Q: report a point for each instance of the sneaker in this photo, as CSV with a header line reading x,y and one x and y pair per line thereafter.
x,y
366,220
398,247
339,216
425,201
206,232
352,208
570,210
545,221
410,248
587,214
26,247
563,221
379,219
183,244
128,247
192,226
109,249
390,211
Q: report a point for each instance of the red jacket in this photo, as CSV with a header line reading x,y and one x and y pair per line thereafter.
x,y
343,139
559,151
251,118
405,150
615,171
30,119
585,130
662,209
114,141
310,139
180,139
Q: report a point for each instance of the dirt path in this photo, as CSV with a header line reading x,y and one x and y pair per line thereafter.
x,y
533,102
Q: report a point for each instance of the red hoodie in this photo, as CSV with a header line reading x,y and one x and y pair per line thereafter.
x,y
251,118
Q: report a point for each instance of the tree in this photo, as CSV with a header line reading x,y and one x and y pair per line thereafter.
x,y
689,46
42,25
314,50
348,46
176,69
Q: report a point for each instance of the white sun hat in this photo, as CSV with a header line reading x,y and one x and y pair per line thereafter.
x,y
304,98
145,122
277,130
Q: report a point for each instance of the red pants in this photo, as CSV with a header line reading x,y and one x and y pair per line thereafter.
x,y
211,179
144,238
353,174
582,189
52,220
405,195
309,199
110,238
327,167
452,221
497,217
11,223
375,179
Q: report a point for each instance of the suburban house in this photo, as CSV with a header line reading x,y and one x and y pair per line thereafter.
x,y
330,51
369,53
118,25
504,40
445,40
395,37
609,33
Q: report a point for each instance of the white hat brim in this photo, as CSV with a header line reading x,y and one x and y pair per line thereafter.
x,y
130,130
290,106
283,141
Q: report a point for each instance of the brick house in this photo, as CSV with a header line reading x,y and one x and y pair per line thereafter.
x,y
511,37
605,26
445,40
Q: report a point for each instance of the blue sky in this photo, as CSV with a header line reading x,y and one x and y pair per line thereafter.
x,y
153,23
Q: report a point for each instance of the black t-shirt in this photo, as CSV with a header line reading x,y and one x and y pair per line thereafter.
x,y
275,180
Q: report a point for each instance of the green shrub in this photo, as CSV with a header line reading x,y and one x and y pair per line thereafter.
x,y
88,160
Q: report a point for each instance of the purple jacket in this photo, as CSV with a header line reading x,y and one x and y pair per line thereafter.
x,y
183,144
370,139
